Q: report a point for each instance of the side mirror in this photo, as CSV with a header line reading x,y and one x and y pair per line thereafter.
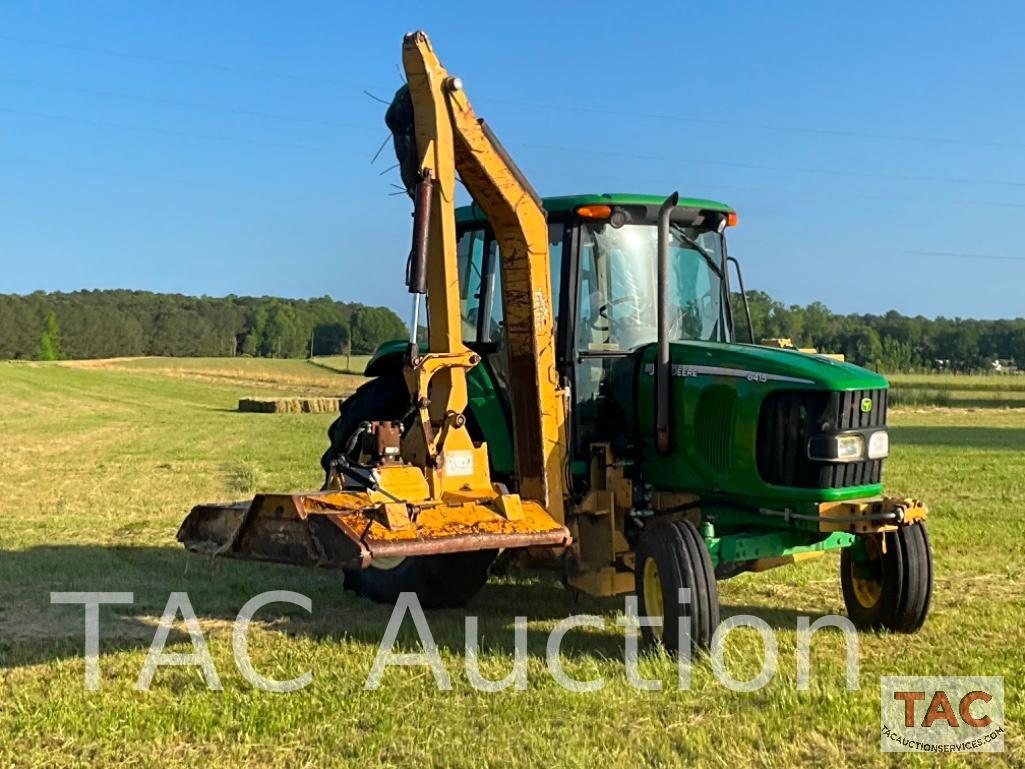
x,y
743,295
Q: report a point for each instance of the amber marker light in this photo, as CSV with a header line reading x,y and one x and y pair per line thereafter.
x,y
595,212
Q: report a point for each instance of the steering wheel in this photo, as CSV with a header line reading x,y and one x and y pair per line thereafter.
x,y
634,300
680,327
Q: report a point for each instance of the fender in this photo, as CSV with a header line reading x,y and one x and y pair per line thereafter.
x,y
485,403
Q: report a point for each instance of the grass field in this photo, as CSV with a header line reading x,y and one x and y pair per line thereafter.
x,y
353,364
961,382
99,462
958,391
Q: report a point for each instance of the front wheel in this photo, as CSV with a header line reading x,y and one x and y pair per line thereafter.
x,y
439,581
671,556
887,580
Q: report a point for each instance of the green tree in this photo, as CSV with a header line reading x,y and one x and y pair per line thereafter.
x,y
49,342
863,346
895,355
330,338
98,324
285,337
372,325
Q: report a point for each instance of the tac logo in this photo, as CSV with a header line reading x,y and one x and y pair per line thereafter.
x,y
866,405
942,714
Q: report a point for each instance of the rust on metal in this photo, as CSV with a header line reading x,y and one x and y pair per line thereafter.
x,y
383,444
348,529
871,516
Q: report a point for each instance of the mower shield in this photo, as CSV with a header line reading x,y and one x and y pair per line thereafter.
x,y
349,529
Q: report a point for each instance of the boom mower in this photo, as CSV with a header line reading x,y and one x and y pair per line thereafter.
x,y
582,402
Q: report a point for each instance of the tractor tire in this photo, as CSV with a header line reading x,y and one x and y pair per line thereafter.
x,y
384,398
892,590
440,581
672,555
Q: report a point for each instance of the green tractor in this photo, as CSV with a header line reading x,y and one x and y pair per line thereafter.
x,y
583,401
693,455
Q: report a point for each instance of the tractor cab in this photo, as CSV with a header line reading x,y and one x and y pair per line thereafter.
x,y
604,285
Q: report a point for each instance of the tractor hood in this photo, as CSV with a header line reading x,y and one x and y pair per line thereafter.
x,y
742,417
768,364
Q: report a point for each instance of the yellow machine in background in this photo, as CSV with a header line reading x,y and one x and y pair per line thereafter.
x,y
786,343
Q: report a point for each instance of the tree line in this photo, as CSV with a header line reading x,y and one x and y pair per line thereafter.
x,y
107,324
891,342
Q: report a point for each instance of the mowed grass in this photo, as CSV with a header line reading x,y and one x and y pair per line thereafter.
x,y
99,463
958,391
258,376
353,364
962,382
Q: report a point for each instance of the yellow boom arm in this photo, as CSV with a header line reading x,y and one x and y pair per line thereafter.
x,y
451,138
427,490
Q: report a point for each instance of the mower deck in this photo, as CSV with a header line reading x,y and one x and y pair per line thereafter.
x,y
349,529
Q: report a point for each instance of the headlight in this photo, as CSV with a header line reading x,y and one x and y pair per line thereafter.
x,y
849,447
879,445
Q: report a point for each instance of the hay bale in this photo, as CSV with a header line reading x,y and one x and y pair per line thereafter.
x,y
290,405
257,405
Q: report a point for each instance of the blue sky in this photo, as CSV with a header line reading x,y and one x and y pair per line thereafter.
x,y
874,151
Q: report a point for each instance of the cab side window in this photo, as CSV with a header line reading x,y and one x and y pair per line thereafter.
x,y
480,282
470,260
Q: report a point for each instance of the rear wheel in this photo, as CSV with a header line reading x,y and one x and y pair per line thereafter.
x,y
887,580
672,555
440,581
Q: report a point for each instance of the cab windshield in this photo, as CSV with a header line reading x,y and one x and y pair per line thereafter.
x,y
619,284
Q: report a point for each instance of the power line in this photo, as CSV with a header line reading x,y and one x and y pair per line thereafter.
x,y
769,167
187,62
176,103
174,132
97,172
550,148
876,250
267,189
278,116
999,143
303,77
340,151
968,255
662,182
816,194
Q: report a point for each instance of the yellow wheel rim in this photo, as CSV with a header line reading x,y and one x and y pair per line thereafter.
x,y
868,590
653,603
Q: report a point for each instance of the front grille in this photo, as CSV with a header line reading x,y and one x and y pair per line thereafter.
x,y
714,427
789,418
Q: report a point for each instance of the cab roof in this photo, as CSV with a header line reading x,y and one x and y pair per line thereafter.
x,y
567,203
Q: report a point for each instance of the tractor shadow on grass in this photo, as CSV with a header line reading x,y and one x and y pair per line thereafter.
x,y
777,617
35,631
961,437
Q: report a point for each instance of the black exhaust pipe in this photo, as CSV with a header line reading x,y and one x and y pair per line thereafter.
x,y
662,370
